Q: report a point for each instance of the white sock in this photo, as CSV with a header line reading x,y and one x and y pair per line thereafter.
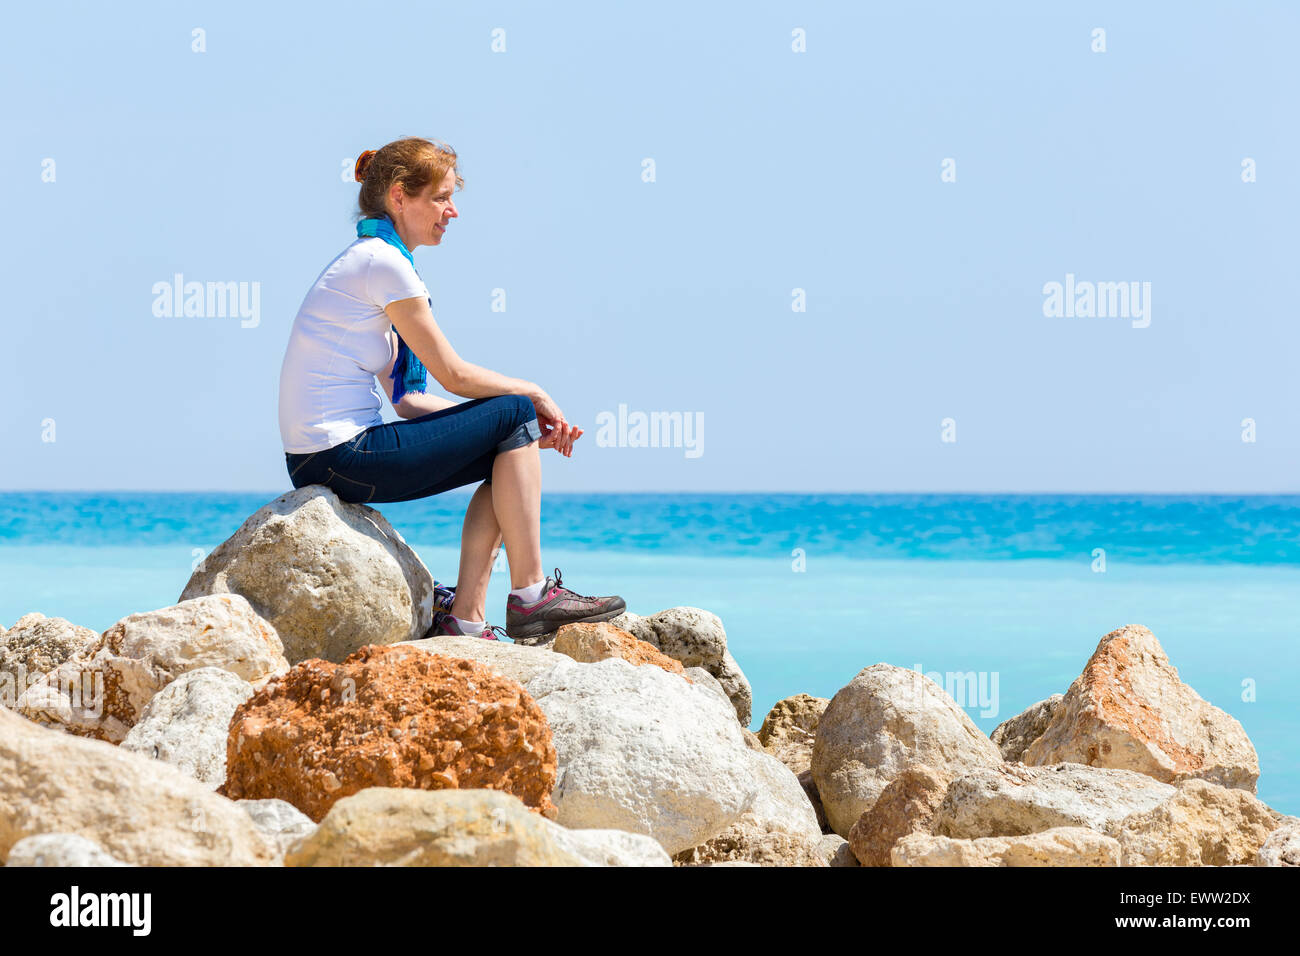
x,y
530,594
469,628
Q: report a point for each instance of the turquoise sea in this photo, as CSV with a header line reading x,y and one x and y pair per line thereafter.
x,y
1007,589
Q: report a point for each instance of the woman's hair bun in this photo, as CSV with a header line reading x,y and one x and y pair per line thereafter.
x,y
363,161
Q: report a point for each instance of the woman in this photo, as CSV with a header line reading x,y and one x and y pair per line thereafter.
x,y
369,314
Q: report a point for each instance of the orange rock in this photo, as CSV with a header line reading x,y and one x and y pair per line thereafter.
x,y
389,716
1129,710
588,643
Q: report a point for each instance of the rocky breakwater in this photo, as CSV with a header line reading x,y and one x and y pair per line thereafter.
x,y
333,732
295,713
1129,767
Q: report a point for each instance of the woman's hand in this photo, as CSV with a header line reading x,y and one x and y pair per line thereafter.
x,y
561,439
556,432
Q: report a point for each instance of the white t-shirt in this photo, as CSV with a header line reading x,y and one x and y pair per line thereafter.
x,y
339,343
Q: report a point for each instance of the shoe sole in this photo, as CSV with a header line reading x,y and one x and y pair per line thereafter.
x,y
532,631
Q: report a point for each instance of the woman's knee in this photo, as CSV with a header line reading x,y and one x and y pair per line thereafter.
x,y
522,427
523,408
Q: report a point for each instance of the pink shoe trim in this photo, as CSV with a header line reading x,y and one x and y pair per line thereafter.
x,y
526,609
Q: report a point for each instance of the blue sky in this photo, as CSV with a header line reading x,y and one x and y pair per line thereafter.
x,y
774,170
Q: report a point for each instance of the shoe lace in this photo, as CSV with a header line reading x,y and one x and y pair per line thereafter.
x,y
493,632
559,583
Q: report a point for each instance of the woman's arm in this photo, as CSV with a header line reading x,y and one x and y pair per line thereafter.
x,y
415,323
413,404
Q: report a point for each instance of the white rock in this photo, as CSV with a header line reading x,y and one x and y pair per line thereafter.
x,y
138,810
779,799
609,847
279,821
707,680
643,751
696,638
1202,824
1014,799
187,723
331,577
778,826
103,694
1059,846
33,647
59,849
1014,735
1282,848
883,721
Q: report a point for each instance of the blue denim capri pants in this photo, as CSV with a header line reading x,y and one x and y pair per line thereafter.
x,y
419,457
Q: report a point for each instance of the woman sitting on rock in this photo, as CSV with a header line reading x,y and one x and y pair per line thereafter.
x,y
330,421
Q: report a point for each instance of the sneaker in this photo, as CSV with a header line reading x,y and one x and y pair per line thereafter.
x,y
556,607
443,597
444,623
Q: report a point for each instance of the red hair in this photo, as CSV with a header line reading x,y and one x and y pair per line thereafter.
x,y
411,161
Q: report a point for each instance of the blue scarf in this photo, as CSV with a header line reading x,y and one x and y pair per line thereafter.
x,y
409,373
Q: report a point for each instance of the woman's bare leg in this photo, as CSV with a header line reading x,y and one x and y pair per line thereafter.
x,y
517,503
479,540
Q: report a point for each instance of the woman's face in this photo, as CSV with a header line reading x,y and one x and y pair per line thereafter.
x,y
422,220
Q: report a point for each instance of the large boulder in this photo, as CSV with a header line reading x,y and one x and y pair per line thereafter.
x,y
698,675
102,693
906,805
697,639
140,811
331,576
1059,846
389,827
644,751
1015,799
187,722
1015,734
790,728
1202,824
383,826
33,647
779,827
393,716
1129,710
882,722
